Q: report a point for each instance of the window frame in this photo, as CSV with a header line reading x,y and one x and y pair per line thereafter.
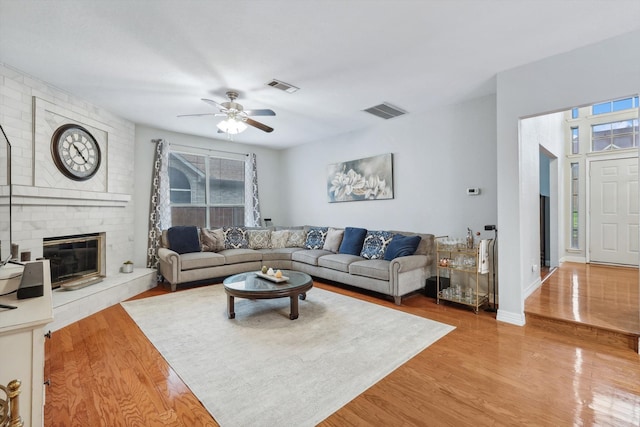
x,y
208,205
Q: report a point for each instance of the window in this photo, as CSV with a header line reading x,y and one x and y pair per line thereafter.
x,y
613,136
206,191
613,106
575,141
575,185
574,113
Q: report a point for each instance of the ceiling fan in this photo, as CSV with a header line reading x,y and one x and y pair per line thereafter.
x,y
237,118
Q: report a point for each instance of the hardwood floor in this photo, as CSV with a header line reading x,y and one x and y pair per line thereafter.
x,y
590,297
104,372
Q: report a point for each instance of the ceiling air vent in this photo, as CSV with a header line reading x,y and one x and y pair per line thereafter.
x,y
282,86
385,111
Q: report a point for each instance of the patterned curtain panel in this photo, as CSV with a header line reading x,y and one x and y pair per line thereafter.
x,y
251,203
160,212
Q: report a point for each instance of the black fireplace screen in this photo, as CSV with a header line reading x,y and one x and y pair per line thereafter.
x,y
72,257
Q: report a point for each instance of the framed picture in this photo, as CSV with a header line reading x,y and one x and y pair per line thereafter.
x,y
370,178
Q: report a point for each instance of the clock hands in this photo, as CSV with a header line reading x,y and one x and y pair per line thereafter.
x,y
79,152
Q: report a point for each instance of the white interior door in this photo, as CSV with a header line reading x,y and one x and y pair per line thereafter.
x,y
614,211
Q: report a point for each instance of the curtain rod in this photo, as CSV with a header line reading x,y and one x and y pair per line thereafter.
x,y
155,141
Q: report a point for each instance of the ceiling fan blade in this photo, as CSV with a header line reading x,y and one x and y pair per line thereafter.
x,y
214,103
198,115
263,112
258,125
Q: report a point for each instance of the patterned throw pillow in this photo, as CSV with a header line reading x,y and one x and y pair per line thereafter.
x,y
296,239
259,239
375,244
235,238
279,239
211,240
315,237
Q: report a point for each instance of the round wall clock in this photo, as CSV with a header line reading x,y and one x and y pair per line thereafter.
x,y
75,152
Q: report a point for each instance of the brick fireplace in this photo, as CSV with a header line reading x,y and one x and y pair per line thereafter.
x,y
45,203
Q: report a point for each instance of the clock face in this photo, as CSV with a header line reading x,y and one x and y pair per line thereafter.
x,y
75,152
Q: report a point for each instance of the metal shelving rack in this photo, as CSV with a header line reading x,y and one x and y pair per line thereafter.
x,y
466,285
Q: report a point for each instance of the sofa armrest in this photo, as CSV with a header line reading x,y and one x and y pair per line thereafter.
x,y
170,264
407,274
407,263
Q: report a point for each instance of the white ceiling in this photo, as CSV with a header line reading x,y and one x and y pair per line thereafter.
x,y
150,60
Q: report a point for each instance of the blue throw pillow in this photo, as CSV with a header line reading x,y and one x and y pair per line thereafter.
x,y
352,241
184,239
315,237
375,244
401,246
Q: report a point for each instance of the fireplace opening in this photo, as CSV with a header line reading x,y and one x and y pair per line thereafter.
x,y
75,261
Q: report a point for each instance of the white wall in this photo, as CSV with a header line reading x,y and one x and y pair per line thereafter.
x,y
544,132
602,71
437,155
269,176
45,202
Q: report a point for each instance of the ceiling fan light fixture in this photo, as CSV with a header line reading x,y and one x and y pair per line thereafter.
x,y
232,126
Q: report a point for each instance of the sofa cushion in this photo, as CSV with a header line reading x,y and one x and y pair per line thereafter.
x,y
297,238
279,239
333,239
184,239
279,254
375,244
236,256
194,260
309,256
259,239
315,237
401,246
338,262
212,240
374,268
235,238
352,240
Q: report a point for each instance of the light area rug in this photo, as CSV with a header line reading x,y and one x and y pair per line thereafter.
x,y
262,369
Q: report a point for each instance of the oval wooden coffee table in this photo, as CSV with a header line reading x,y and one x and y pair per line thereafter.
x,y
249,285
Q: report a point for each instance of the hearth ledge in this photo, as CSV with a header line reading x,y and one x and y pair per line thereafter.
x,y
71,306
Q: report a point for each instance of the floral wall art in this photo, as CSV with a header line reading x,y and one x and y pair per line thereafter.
x,y
370,178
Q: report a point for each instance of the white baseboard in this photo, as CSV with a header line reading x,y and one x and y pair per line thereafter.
x,y
509,317
532,287
71,306
569,258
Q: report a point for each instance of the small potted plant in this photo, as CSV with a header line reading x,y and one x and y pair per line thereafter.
x,y
127,266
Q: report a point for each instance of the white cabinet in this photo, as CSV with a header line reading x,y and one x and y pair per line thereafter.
x,y
22,348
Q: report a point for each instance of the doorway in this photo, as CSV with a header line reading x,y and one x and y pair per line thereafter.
x,y
548,211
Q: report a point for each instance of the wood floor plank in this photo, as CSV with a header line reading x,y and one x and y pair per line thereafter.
x,y
105,372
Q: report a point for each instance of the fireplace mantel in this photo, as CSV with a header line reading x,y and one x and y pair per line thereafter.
x,y
34,196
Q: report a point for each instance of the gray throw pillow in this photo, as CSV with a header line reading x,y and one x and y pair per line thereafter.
x,y
333,239
212,240
279,239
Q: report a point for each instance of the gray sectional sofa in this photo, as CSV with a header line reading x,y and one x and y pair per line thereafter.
x,y
324,259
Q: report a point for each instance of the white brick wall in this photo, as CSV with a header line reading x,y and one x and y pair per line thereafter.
x,y
47,204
